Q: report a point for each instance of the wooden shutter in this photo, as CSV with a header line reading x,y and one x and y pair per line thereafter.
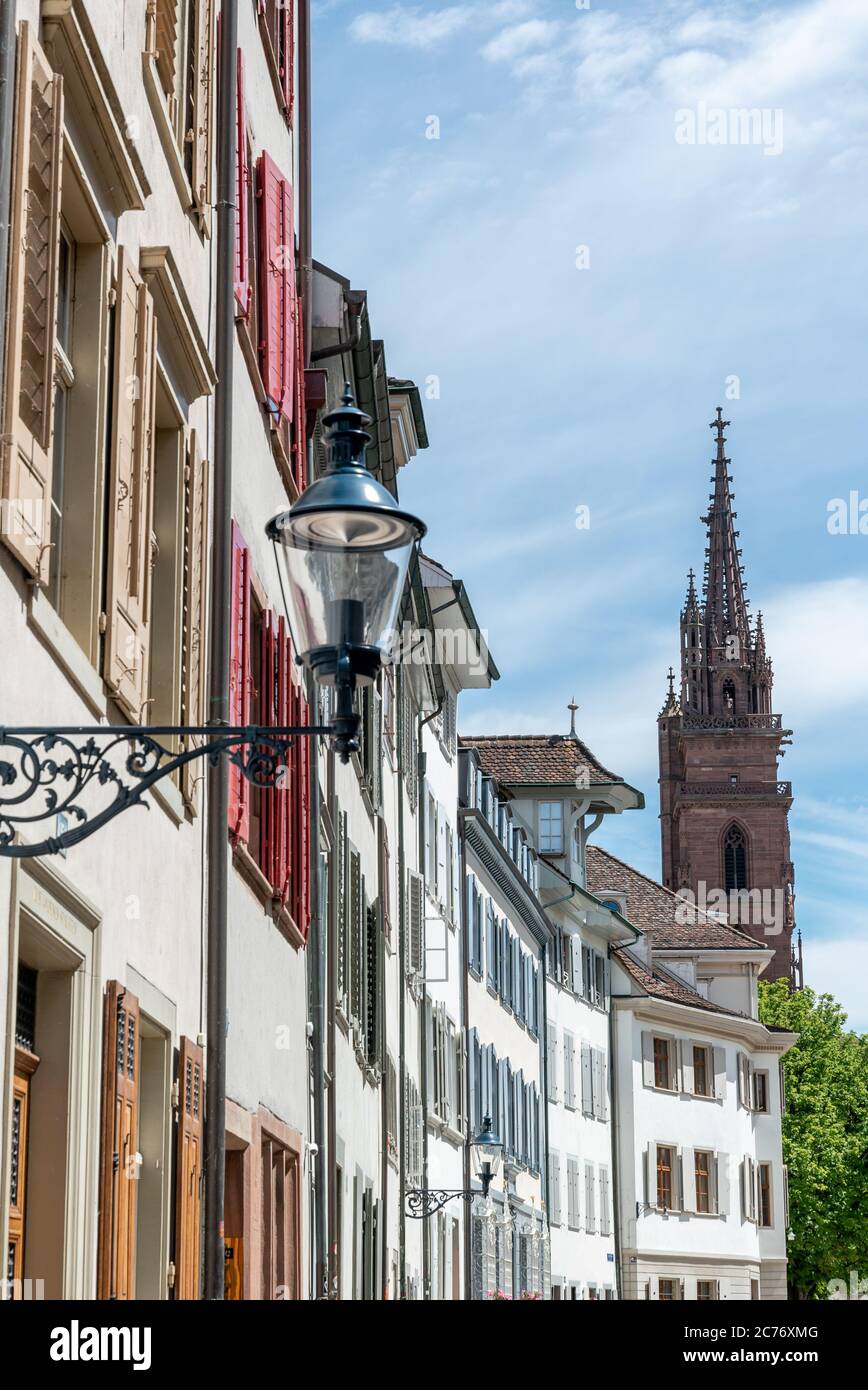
x,y
277,292
341,893
286,56
166,56
203,113
239,681
118,1192
299,437
194,616
688,1161
268,797
719,1073
355,919
299,808
34,239
131,492
720,1169
282,794
189,1170
242,203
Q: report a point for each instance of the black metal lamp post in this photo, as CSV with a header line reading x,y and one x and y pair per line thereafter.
x,y
345,548
486,1155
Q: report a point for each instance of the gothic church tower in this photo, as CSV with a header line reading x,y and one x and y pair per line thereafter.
x,y
723,808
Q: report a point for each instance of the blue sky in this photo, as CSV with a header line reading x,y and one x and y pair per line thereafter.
x,y
573,377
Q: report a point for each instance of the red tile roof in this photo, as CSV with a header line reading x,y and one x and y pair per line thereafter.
x,y
661,983
671,921
530,760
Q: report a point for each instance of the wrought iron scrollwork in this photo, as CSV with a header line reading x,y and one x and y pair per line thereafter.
x,y
422,1201
45,773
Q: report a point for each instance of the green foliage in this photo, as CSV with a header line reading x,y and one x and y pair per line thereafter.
x,y
825,1131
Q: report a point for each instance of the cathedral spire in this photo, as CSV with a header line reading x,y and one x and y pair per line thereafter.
x,y
724,599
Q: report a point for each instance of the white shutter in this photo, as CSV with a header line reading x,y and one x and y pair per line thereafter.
x,y
590,1215
721,1184
676,1047
441,854
605,1227
720,1073
552,1036
687,1046
689,1179
597,1060
456,881
576,960
416,925
555,1188
651,1175
678,1181
587,1081
648,1059
604,1086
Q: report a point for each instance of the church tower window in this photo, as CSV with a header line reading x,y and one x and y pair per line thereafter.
x,y
735,859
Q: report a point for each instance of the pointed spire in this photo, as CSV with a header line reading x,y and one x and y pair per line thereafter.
x,y
672,704
573,709
724,601
691,603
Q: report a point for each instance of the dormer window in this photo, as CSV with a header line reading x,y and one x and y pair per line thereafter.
x,y
551,827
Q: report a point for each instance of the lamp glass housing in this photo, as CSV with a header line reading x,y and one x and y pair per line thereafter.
x,y
486,1152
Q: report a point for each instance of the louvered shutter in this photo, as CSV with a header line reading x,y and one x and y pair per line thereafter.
x,y
286,60
552,1058
597,1102
721,1184
461,1045
166,22
342,912
356,910
441,854
304,749
34,239
555,1188
242,199
604,1087
490,945
688,1163
569,1071
116,1270
470,919
605,1226
576,963
416,934
194,621
203,108
277,295
282,795
131,488
587,1081
239,681
189,1170
590,1215
473,1077
267,715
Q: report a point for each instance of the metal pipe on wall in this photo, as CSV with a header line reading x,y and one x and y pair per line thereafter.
x,y
219,662
7,108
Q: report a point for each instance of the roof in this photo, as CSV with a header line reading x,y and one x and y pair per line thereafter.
x,y
538,759
672,921
661,983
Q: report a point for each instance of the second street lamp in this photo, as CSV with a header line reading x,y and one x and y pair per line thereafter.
x,y
346,547
486,1153
343,551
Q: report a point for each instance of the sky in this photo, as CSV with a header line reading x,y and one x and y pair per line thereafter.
x,y
577,250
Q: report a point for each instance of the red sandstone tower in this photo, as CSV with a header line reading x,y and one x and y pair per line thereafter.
x,y
723,809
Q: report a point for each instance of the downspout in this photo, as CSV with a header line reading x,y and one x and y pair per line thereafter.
x,y
317,958
7,108
305,236
220,616
465,1015
423,1031
402,1050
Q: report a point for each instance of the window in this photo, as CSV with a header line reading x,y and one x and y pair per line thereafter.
x,y
706,1290
764,1215
754,1288
180,48
664,1177
662,1064
761,1091
735,860
64,383
573,1214
551,827
701,1074
668,1290
277,27
281,1219
702,1178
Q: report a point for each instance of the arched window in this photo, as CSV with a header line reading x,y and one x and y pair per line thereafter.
x,y
735,859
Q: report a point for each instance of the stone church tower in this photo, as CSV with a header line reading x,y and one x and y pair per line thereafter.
x,y
723,808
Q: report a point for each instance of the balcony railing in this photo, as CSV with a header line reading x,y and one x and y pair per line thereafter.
x,y
744,723
737,789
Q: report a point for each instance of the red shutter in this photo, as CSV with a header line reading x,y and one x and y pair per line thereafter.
x,y
239,680
283,792
242,205
300,833
300,426
277,346
266,718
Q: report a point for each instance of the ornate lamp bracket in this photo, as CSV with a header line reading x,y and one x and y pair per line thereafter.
x,y
45,772
422,1201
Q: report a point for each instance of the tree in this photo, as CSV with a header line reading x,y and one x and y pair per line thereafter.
x,y
825,1138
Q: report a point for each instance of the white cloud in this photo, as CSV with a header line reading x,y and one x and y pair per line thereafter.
x,y
515,41
410,28
818,634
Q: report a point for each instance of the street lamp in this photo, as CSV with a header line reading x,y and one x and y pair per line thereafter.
x,y
486,1154
343,549
343,552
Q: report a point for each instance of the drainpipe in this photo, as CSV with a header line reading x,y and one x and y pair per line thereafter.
x,y
7,108
465,1018
423,1031
221,612
305,238
317,959
402,985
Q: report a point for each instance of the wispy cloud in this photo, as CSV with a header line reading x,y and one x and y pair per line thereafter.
x,y
405,27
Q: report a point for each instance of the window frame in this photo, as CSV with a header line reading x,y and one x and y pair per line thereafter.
x,y
545,816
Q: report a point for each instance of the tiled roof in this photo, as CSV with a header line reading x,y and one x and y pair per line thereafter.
x,y
671,921
661,983
524,760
